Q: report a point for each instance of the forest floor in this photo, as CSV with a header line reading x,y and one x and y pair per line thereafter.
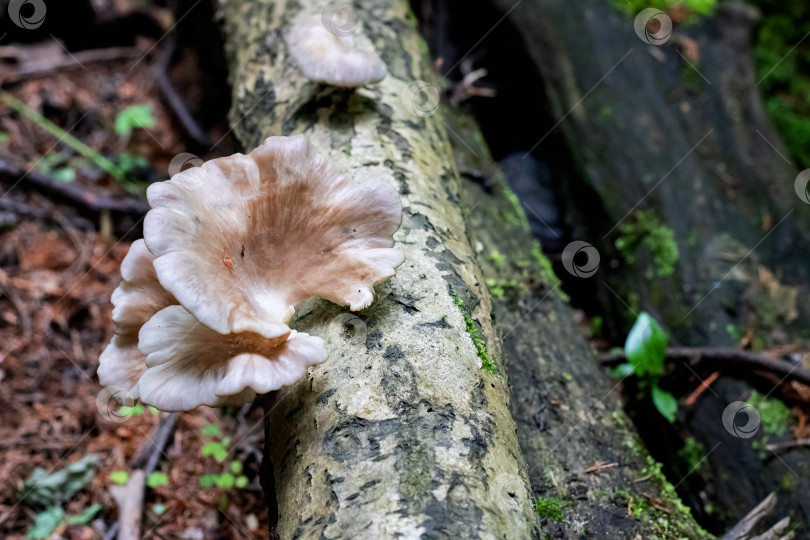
x,y
59,263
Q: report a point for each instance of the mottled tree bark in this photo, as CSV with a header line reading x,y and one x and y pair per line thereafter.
x,y
406,429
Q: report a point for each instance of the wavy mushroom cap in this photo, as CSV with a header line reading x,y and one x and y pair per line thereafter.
x,y
189,365
135,301
243,239
140,295
330,58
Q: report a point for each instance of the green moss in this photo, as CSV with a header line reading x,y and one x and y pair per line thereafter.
x,y
783,71
648,232
487,364
518,217
498,259
618,418
667,524
691,77
550,508
498,288
546,270
773,414
690,457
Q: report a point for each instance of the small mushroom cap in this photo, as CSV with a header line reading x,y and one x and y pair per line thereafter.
x,y
189,365
135,301
330,58
243,239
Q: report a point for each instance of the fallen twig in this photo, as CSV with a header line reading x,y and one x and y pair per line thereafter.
x,y
600,465
72,192
706,383
744,529
41,59
130,505
147,457
735,357
173,99
787,445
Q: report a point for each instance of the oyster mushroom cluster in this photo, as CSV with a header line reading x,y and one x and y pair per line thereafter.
x,y
229,249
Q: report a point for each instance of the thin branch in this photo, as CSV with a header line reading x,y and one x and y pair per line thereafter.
x,y
73,192
787,445
160,73
729,357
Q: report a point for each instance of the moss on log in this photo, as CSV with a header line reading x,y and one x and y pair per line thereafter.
x,y
406,429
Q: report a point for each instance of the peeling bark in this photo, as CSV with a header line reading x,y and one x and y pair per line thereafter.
x,y
406,429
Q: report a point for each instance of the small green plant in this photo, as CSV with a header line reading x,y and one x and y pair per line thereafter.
x,y
94,156
648,232
119,477
53,490
157,479
645,349
232,477
59,166
130,164
137,116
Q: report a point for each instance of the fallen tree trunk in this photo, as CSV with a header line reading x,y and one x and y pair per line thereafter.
x,y
674,139
673,136
589,471
406,429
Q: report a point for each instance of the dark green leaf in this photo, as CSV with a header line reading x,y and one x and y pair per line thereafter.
x,y
622,371
665,402
645,346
